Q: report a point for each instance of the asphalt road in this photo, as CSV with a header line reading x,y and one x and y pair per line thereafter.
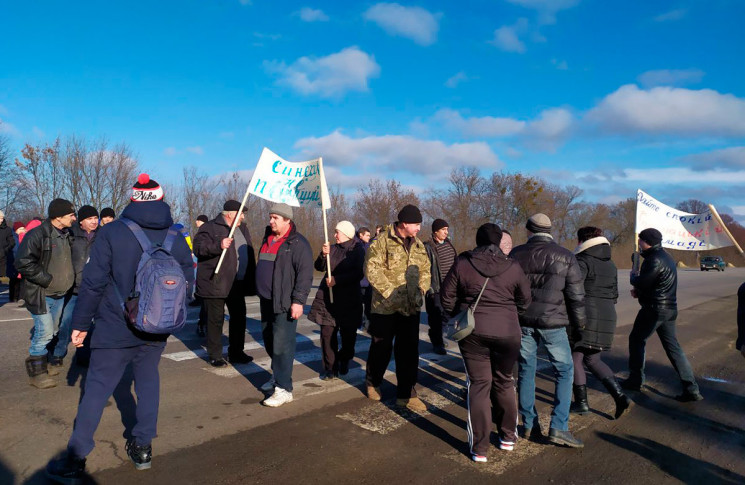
x,y
213,430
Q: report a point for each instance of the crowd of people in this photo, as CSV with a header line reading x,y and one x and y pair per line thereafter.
x,y
537,293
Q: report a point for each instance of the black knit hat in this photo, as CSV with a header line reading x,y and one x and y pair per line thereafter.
x,y
87,211
60,208
651,236
233,206
146,189
108,212
488,234
438,224
410,214
202,217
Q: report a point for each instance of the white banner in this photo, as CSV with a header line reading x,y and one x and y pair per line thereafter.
x,y
293,183
680,230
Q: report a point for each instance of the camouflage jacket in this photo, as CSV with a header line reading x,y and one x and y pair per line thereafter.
x,y
398,278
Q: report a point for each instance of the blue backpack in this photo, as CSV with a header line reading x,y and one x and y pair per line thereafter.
x,y
158,302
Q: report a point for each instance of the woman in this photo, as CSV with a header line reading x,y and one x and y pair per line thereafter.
x,y
601,293
490,352
345,314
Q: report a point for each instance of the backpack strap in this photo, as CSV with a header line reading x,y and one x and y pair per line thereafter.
x,y
138,233
173,233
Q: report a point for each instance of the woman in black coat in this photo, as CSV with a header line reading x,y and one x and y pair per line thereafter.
x,y
601,293
345,314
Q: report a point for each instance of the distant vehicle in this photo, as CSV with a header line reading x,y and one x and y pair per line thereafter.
x,y
712,262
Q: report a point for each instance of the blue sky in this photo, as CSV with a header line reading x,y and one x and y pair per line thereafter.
x,y
607,95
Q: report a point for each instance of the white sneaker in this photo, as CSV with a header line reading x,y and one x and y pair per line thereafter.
x,y
277,399
268,386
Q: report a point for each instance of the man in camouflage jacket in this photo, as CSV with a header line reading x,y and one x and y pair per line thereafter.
x,y
398,269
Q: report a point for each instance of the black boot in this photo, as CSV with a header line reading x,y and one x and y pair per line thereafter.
x,y
36,366
622,400
68,470
580,405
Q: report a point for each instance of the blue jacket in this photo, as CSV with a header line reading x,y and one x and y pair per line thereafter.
x,y
114,257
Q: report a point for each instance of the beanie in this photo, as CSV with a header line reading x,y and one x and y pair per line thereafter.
x,y
439,224
108,212
60,208
410,214
651,236
538,223
87,211
202,217
283,210
17,225
346,228
488,234
230,206
146,189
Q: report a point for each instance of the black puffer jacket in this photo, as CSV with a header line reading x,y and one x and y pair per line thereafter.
x,y
555,282
32,261
347,260
506,296
656,284
601,293
207,249
81,248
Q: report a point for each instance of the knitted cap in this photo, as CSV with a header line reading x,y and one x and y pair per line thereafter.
x,y
87,211
651,236
346,228
438,224
146,189
60,208
488,234
538,223
17,225
283,210
108,212
202,217
231,206
410,214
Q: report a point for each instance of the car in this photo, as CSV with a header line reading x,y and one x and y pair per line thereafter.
x,y
712,262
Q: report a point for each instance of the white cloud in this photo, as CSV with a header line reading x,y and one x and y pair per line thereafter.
x,y
724,158
560,65
670,77
550,129
308,14
197,150
546,9
329,77
413,23
8,129
455,80
478,127
397,153
170,151
38,132
666,110
507,37
671,15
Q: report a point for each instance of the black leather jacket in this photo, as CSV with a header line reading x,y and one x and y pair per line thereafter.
x,y
656,284
32,262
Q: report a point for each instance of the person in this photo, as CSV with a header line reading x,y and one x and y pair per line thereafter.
x,y
506,244
740,342
491,350
115,345
344,315
397,267
107,215
7,242
284,276
600,278
557,302
14,279
201,219
45,263
364,235
82,235
441,253
656,286
230,286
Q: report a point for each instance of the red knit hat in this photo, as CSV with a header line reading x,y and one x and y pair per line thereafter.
x,y
146,189
17,225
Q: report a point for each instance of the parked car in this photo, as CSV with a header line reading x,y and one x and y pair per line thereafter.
x,y
712,262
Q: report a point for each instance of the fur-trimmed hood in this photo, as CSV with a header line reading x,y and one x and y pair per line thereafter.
x,y
595,241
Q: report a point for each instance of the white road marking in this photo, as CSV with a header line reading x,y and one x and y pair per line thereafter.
x,y
16,319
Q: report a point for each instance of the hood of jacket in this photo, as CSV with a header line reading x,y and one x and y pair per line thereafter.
x,y
489,261
155,214
597,247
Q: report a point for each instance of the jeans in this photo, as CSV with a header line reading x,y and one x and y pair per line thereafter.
x,y
560,356
280,340
661,320
45,326
65,327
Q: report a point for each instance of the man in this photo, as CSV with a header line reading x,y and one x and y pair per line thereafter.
x,y
398,269
201,219
7,243
230,285
558,301
45,263
656,286
506,244
82,235
441,254
284,275
110,272
107,215
363,234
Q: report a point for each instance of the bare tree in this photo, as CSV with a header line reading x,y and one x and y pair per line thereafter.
x,y
379,202
42,173
694,206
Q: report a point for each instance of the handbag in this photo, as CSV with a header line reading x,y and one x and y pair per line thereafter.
x,y
462,325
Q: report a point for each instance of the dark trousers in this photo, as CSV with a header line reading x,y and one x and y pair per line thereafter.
x,y
436,318
661,320
280,340
366,300
330,345
489,362
14,288
591,359
106,369
399,334
215,311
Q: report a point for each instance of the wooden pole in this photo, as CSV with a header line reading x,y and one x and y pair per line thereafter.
x,y
325,224
233,226
726,231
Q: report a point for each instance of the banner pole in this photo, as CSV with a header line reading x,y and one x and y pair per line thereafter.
x,y
233,226
726,231
325,224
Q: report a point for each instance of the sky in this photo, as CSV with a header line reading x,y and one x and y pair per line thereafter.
x,y
610,96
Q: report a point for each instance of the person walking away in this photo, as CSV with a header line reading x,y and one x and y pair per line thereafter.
x,y
441,254
7,242
14,279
